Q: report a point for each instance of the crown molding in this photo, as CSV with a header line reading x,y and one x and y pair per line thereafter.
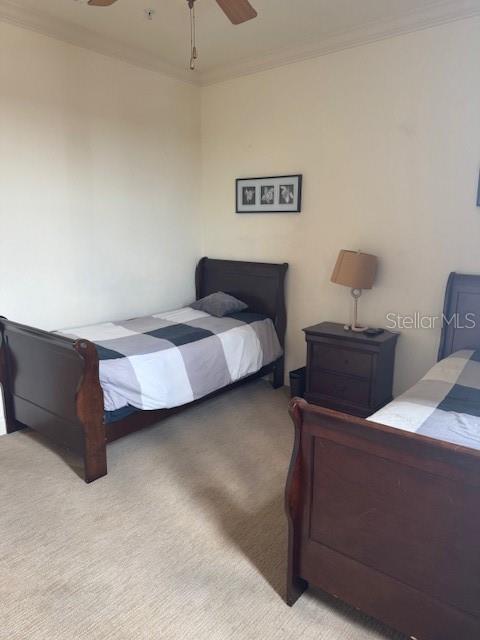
x,y
38,21
433,14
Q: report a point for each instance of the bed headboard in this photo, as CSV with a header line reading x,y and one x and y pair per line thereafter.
x,y
461,314
259,284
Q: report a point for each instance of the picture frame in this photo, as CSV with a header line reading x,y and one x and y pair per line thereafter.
x,y
271,194
478,191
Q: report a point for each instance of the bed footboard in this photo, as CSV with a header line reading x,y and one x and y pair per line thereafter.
x,y
51,384
387,521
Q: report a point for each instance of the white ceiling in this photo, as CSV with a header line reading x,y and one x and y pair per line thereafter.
x,y
285,30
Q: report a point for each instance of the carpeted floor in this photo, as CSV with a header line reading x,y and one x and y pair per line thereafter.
x,y
184,539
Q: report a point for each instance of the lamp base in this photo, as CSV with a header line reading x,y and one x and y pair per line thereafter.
x,y
356,293
348,327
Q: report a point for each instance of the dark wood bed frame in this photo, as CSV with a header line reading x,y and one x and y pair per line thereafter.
x,y
51,383
387,520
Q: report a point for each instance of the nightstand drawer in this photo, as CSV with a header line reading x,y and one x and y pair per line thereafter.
x,y
349,361
340,388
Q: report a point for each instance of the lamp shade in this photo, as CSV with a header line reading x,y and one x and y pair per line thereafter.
x,y
355,269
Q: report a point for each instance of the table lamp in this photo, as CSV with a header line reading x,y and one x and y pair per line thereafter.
x,y
356,270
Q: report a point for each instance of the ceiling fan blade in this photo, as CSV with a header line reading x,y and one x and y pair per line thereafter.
x,y
100,3
237,11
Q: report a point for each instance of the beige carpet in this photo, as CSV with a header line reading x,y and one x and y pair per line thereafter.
x,y
184,539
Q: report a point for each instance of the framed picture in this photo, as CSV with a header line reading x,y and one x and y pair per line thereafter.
x,y
277,194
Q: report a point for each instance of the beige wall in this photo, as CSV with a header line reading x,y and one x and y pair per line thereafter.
x,y
98,186
388,139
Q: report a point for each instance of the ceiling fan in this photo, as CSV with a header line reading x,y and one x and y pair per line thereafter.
x,y
237,11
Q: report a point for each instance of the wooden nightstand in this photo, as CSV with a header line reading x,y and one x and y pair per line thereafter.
x,y
349,371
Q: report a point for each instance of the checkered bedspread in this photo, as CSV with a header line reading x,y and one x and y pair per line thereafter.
x,y
445,404
169,359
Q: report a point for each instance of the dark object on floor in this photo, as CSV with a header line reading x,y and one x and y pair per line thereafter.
x,y
347,370
297,382
51,383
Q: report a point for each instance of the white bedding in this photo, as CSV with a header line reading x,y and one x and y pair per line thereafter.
x,y
445,404
172,358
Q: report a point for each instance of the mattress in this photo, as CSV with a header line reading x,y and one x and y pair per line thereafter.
x,y
170,359
444,405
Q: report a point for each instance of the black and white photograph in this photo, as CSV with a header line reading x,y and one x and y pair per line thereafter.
x,y
268,194
274,194
286,195
248,196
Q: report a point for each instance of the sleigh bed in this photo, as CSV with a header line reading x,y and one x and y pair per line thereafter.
x,y
387,518
51,382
